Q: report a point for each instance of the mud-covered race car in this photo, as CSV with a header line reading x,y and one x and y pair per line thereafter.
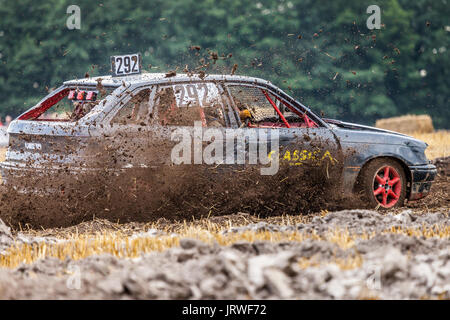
x,y
113,123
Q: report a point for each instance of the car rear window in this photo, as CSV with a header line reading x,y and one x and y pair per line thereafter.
x,y
69,104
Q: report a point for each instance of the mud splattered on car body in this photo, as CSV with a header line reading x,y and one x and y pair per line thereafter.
x,y
114,138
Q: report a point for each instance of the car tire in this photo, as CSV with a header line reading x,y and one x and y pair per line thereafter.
x,y
381,192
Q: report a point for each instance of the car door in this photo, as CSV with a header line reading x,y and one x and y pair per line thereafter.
x,y
302,142
126,130
195,118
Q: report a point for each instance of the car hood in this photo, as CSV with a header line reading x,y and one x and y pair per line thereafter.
x,y
352,132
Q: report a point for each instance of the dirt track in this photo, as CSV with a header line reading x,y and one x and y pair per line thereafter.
x,y
337,255
385,265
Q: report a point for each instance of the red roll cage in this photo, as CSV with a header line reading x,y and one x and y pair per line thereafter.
x,y
308,122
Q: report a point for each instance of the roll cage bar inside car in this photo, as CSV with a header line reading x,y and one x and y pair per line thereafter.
x,y
309,123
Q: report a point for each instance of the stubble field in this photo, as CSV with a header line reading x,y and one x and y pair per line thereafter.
x,y
360,254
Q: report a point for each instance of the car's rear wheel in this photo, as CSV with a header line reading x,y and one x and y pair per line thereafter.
x,y
383,183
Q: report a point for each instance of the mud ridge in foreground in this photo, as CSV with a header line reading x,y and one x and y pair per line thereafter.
x,y
374,263
175,192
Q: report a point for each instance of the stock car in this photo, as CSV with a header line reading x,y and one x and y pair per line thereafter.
x,y
66,127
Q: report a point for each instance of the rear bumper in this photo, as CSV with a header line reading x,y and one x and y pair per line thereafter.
x,y
422,178
49,178
17,174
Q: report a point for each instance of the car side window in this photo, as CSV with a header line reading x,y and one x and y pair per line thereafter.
x,y
253,100
183,104
135,110
258,107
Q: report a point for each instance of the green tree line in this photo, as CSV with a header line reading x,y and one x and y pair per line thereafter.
x,y
320,52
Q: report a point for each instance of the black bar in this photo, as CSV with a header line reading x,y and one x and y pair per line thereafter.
x,y
221,309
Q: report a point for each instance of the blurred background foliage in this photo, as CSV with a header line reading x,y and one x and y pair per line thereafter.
x,y
320,52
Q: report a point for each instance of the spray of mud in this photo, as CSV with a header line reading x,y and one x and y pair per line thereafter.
x,y
59,197
176,192
171,191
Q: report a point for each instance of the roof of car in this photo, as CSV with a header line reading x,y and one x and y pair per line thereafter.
x,y
144,78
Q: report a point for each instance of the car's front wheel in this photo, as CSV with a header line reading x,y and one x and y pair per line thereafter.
x,y
383,183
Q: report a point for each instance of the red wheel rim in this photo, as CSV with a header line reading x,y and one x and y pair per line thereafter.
x,y
387,186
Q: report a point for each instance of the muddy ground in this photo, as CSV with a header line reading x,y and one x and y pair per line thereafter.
x,y
366,258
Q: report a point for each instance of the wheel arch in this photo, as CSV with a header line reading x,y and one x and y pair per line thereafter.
x,y
401,162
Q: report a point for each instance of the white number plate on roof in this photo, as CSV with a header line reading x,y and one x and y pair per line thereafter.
x,y
126,64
